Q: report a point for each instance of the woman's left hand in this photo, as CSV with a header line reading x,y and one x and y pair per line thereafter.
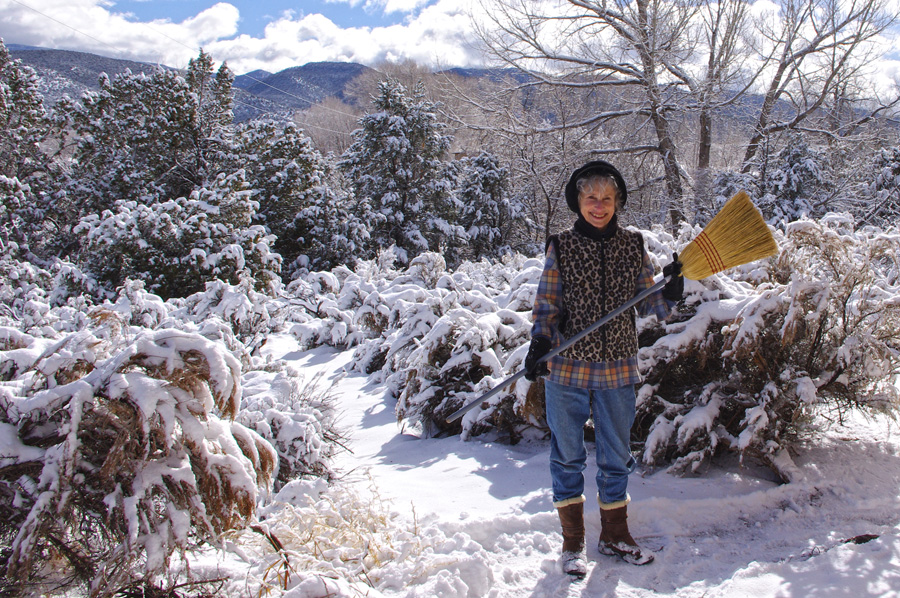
x,y
674,289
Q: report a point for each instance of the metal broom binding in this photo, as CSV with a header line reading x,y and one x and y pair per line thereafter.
x,y
735,236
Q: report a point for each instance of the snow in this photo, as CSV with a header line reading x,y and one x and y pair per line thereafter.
x,y
474,518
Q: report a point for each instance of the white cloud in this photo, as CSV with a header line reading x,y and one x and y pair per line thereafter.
x,y
401,6
90,26
438,35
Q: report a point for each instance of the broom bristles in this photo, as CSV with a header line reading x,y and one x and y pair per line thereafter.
x,y
736,235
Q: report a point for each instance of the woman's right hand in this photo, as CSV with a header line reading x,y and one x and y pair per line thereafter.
x,y
534,368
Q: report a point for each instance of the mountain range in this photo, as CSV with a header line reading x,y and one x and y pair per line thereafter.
x,y
66,72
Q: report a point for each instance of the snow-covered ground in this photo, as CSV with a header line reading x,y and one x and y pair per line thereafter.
x,y
480,521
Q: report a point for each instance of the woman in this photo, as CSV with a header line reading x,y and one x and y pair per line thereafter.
x,y
591,269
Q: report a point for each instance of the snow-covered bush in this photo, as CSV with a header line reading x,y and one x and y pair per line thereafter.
x,y
437,338
161,414
121,451
176,246
296,416
817,328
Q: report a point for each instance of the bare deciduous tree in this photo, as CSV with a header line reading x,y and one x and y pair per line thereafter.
x,y
618,46
808,46
665,63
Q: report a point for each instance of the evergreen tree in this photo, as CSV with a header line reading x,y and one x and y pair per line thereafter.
x,y
149,138
23,120
155,190
282,168
176,246
213,114
330,233
135,141
795,181
301,202
487,213
396,163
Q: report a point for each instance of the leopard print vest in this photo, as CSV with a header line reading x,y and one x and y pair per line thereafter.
x,y
597,277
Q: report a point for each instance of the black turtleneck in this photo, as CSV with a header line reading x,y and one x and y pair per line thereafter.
x,y
590,231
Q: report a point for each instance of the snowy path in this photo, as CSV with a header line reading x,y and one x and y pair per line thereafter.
x,y
729,533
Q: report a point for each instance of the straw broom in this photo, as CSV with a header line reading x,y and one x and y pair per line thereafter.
x,y
735,236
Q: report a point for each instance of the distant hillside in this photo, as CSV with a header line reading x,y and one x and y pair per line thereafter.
x,y
303,86
65,72
250,79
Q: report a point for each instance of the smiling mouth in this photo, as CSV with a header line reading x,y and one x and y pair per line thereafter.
x,y
596,216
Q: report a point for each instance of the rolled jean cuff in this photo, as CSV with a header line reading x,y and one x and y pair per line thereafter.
x,y
606,506
569,501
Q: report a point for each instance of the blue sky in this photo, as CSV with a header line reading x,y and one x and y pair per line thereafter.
x,y
256,15
265,34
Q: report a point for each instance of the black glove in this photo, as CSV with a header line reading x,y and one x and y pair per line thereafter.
x,y
540,346
674,289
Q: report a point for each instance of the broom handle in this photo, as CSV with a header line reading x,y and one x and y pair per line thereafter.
x,y
562,347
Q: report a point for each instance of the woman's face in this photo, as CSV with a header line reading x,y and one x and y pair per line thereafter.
x,y
597,203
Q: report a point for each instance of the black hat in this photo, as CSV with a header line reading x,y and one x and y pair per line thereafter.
x,y
597,167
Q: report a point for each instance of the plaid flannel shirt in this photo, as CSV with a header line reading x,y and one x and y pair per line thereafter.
x,y
588,374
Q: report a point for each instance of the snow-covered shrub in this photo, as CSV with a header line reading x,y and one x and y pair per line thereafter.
x,y
178,245
460,350
30,289
322,296
296,416
819,327
121,450
440,339
247,314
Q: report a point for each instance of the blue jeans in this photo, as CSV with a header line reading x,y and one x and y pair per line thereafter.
x,y
568,408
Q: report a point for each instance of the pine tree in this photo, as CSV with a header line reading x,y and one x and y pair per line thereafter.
x,y
487,213
155,189
150,137
396,163
301,201
798,175
23,120
136,139
282,167
176,246
330,233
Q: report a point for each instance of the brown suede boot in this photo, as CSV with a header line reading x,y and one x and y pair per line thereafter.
x,y
616,540
571,517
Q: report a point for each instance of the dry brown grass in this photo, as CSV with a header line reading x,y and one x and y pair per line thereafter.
x,y
339,535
